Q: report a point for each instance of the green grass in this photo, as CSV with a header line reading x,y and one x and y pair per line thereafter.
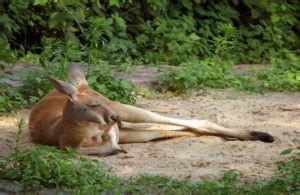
x,y
44,167
213,73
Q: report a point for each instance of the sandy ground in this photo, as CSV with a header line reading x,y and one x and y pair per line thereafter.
x,y
206,156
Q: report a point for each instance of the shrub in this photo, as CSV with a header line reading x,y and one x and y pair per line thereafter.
x,y
150,31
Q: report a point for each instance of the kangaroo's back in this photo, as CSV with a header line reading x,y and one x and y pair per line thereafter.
x,y
46,118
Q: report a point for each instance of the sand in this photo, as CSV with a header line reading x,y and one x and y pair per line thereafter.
x,y
205,156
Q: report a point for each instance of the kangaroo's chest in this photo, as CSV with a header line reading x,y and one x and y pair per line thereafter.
x,y
92,135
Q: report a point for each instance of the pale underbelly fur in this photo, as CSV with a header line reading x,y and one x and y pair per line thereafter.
x,y
95,136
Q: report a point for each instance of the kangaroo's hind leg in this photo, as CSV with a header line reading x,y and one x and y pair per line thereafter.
x,y
140,136
132,114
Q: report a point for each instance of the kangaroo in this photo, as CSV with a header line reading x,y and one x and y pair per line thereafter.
x,y
75,115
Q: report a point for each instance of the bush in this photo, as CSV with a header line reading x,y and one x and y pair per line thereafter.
x,y
150,31
10,100
281,76
116,89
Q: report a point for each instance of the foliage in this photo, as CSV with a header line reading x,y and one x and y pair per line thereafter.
x,y
191,75
211,72
35,85
47,167
10,100
113,88
283,75
6,55
150,31
216,73
287,178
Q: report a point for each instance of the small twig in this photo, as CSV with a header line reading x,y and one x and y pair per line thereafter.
x,y
290,108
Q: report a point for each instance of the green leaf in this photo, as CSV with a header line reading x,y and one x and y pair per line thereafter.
x,y
114,2
194,37
40,92
40,2
120,22
188,4
2,100
287,151
53,21
275,18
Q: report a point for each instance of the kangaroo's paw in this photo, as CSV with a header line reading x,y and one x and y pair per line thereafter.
x,y
262,136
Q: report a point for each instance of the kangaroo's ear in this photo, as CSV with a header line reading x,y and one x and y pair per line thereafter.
x,y
64,88
76,76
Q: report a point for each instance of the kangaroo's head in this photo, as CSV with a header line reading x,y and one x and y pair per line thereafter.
x,y
83,103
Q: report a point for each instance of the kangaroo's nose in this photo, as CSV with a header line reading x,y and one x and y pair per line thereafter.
x,y
111,119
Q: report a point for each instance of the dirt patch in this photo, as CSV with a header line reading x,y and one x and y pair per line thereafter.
x,y
206,156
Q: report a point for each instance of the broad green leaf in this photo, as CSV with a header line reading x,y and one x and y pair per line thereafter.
x,y
188,4
114,3
40,2
53,20
194,37
275,18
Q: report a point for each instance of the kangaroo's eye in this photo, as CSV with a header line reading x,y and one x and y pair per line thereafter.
x,y
93,105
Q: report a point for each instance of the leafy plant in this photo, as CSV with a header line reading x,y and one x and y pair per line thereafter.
x,y
10,100
150,31
35,85
212,72
115,89
6,54
287,177
197,74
